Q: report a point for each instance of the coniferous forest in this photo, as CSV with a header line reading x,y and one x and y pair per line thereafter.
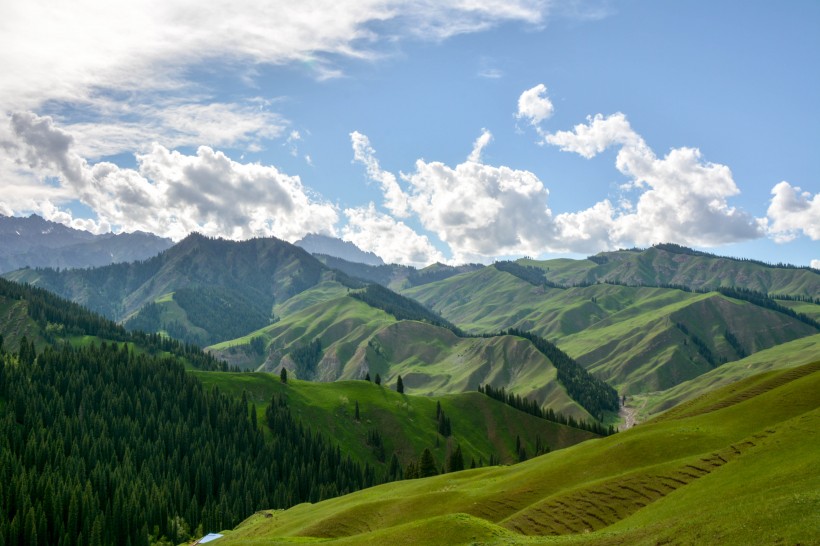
x,y
102,445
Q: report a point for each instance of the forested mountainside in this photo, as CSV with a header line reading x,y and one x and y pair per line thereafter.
x,y
35,242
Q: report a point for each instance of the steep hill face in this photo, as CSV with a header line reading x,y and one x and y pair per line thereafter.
x,y
36,242
259,270
636,338
353,339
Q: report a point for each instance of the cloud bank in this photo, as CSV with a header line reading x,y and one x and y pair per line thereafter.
x,y
169,193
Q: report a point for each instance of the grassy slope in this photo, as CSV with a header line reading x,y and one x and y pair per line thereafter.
x,y
359,339
665,481
481,425
655,266
787,355
626,335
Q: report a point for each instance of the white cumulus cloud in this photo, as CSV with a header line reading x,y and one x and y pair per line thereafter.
x,y
534,106
792,212
815,264
391,240
478,210
682,198
170,193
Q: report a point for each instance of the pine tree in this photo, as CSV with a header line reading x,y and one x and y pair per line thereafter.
x,y
399,386
366,376
455,461
427,465
283,375
378,379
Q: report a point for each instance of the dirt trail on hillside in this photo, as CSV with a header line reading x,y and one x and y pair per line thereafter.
x,y
628,415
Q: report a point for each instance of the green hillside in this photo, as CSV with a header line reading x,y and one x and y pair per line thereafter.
x,y
669,264
663,482
357,339
637,338
788,355
407,424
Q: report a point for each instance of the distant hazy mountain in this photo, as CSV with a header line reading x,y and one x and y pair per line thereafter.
x,y
36,242
331,246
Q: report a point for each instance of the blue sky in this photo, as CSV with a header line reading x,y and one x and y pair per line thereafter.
x,y
422,131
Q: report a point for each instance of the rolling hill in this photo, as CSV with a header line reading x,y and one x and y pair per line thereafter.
x,y
357,339
406,424
754,442
636,338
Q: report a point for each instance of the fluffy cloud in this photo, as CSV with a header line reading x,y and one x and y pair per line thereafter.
x,y
815,264
793,211
393,241
682,199
170,193
478,210
534,106
395,199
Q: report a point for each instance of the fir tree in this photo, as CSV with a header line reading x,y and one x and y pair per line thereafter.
x,y
378,379
455,461
283,375
427,465
399,386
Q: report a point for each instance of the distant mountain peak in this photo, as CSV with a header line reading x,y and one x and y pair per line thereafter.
x,y
37,242
332,246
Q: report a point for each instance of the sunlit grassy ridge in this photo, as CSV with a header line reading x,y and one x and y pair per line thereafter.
x,y
629,336
480,425
739,468
358,339
788,355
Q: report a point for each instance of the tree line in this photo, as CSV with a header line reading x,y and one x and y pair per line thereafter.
x,y
105,445
532,407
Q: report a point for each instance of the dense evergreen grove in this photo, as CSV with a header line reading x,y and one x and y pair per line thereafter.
x,y
403,308
306,359
101,445
531,406
223,313
595,395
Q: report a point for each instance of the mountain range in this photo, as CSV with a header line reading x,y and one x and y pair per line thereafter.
x,y
35,242
523,363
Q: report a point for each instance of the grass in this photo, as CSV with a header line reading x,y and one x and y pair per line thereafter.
x,y
787,355
664,481
626,335
358,339
481,425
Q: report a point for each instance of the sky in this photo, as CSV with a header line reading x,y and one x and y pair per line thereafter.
x,y
421,130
